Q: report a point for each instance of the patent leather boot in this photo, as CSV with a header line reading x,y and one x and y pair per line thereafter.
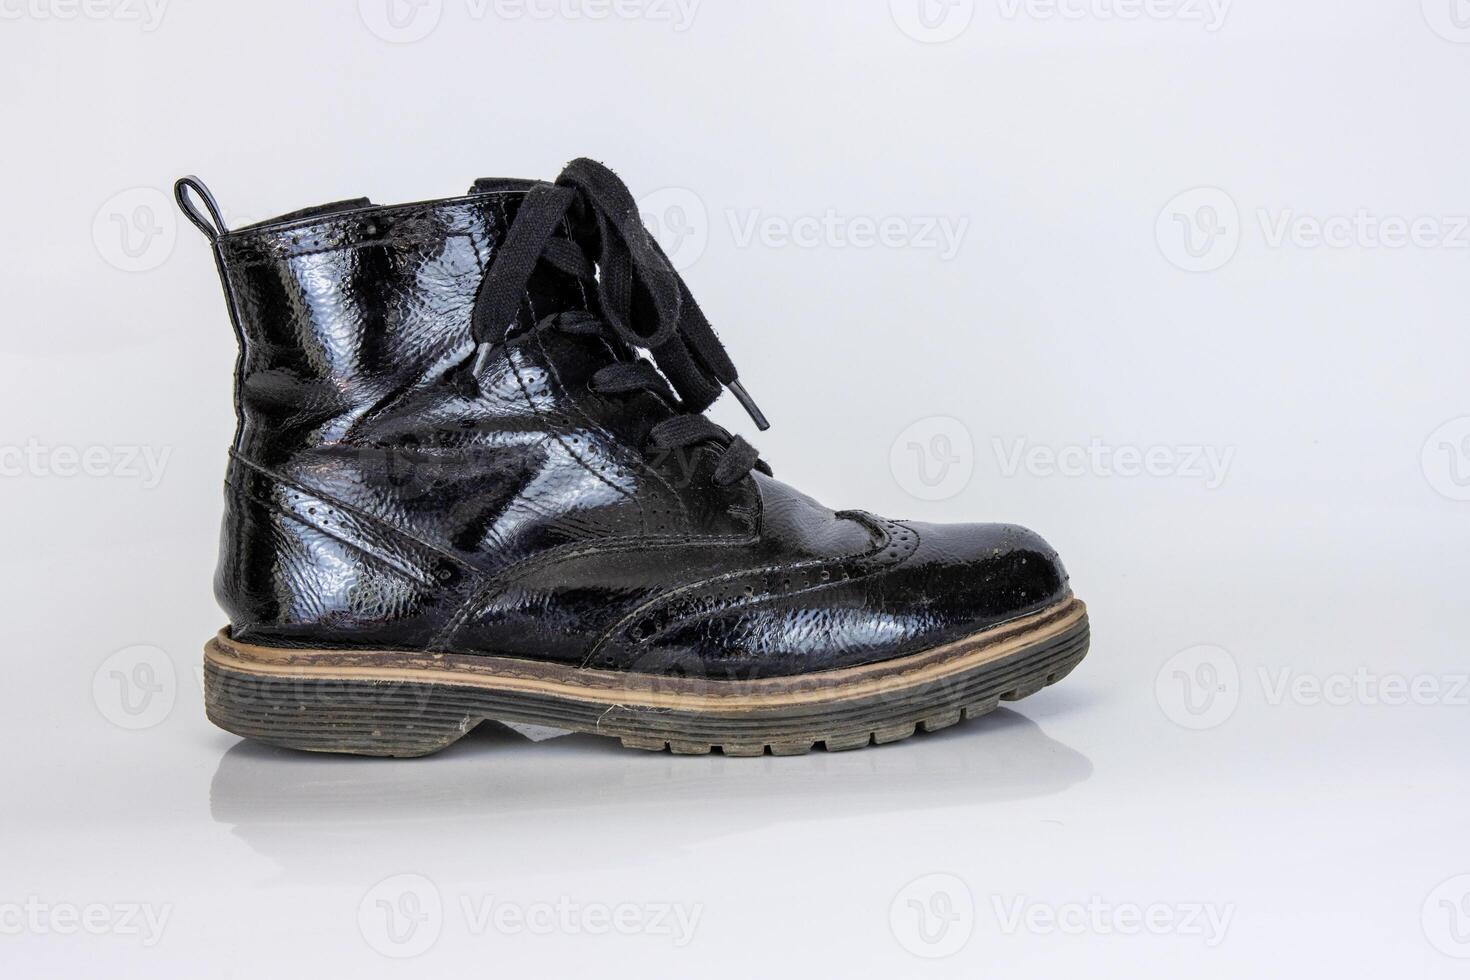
x,y
472,479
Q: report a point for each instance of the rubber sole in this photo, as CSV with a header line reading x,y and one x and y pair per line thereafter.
x,y
395,703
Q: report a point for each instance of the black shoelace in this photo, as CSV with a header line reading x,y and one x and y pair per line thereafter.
x,y
638,296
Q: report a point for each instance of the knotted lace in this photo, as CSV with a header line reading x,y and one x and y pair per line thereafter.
x,y
638,296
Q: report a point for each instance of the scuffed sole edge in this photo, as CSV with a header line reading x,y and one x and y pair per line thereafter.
x,y
308,708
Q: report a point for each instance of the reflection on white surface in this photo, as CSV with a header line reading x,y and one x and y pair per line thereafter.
x,y
295,808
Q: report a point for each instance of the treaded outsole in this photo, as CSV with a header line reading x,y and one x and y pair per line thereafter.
x,y
885,735
407,718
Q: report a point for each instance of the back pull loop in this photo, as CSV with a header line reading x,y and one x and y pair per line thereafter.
x,y
212,229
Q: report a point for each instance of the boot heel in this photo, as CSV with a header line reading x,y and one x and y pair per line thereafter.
x,y
382,718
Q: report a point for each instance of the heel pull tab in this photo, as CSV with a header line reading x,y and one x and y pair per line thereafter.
x,y
182,188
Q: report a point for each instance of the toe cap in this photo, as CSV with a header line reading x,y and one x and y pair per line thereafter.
x,y
921,586
967,577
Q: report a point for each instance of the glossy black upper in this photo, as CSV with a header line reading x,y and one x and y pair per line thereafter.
x,y
389,488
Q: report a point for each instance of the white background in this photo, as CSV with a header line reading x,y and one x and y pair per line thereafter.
x,y
1271,727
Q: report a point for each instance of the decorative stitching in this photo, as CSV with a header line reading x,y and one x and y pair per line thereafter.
x,y
276,243
415,559
502,580
722,593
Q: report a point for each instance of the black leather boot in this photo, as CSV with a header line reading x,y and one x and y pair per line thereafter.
x,y
472,480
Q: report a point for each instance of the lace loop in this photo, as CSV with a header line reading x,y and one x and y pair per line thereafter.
x,y
737,460
639,294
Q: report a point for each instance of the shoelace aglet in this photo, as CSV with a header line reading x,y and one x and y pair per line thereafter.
x,y
482,359
746,402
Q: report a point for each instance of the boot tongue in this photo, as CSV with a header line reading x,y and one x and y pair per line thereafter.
x,y
501,185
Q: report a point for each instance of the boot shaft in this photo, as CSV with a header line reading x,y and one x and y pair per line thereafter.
x,y
370,481
341,307
455,428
